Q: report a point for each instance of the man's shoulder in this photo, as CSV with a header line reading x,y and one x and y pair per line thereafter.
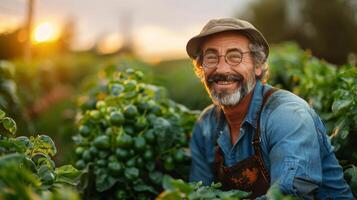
x,y
206,122
284,98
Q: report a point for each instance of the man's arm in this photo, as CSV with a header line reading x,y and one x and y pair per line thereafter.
x,y
201,170
294,150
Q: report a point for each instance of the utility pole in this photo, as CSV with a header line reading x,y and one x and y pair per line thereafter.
x,y
28,30
126,22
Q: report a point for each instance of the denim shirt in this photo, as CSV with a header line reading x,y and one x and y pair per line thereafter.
x,y
295,147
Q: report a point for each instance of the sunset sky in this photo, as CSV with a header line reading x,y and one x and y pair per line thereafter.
x,y
160,28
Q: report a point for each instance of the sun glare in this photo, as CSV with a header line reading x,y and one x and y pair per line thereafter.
x,y
45,32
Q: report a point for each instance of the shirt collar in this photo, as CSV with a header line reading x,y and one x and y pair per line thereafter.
x,y
222,130
251,118
255,104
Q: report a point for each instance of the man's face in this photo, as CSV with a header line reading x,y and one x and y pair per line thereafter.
x,y
227,85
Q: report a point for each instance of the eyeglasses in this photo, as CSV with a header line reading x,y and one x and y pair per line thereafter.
x,y
233,57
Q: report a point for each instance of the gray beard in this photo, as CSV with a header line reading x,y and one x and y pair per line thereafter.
x,y
226,99
231,98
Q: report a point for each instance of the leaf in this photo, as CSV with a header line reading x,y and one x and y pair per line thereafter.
x,y
86,178
351,176
41,159
18,179
103,181
156,177
46,175
18,159
182,186
150,166
25,141
46,139
67,174
216,185
340,105
344,133
59,193
233,194
169,195
2,114
142,187
44,144
274,193
161,124
167,183
9,125
11,146
171,184
204,193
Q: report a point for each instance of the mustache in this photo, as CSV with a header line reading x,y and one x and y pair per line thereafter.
x,y
225,77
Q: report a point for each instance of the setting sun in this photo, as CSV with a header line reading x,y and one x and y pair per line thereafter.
x,y
45,32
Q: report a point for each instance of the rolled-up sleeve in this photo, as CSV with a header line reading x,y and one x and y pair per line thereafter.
x,y
201,170
295,163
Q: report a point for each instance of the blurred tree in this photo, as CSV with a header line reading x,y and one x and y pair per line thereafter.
x,y
328,31
67,35
11,44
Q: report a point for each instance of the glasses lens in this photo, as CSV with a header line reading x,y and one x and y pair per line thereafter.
x,y
210,60
234,57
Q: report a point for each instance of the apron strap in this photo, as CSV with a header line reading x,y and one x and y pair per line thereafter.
x,y
256,140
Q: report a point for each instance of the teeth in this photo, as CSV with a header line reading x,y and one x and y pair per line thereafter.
x,y
225,82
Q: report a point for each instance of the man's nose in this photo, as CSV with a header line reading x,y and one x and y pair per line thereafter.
x,y
222,66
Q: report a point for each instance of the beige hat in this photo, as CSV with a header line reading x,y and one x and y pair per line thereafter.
x,y
225,24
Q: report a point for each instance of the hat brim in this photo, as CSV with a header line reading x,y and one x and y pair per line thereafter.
x,y
193,45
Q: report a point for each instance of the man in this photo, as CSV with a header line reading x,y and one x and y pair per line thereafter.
x,y
254,135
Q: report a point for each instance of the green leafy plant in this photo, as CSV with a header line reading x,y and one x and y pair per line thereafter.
x,y
351,177
130,135
27,170
177,189
330,90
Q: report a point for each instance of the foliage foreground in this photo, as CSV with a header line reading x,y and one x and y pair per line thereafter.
x,y
132,140
130,135
27,169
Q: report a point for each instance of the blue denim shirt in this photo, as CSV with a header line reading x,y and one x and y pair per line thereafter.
x,y
295,147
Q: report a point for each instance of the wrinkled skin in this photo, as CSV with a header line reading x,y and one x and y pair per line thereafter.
x,y
228,85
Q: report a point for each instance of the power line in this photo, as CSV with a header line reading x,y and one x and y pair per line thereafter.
x,y
29,21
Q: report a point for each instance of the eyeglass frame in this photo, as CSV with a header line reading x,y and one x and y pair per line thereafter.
x,y
225,58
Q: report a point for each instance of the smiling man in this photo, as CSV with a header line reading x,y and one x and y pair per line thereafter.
x,y
254,135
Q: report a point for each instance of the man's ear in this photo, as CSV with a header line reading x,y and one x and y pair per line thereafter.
x,y
258,70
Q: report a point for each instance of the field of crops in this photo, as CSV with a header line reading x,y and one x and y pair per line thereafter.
x,y
118,128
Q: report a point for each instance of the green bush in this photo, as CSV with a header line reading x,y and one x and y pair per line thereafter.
x,y
130,135
27,170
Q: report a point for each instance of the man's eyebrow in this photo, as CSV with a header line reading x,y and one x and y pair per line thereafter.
x,y
210,50
234,49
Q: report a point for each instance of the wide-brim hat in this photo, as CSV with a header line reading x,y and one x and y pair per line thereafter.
x,y
226,24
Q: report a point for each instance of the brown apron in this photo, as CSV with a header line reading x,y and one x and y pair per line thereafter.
x,y
249,174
